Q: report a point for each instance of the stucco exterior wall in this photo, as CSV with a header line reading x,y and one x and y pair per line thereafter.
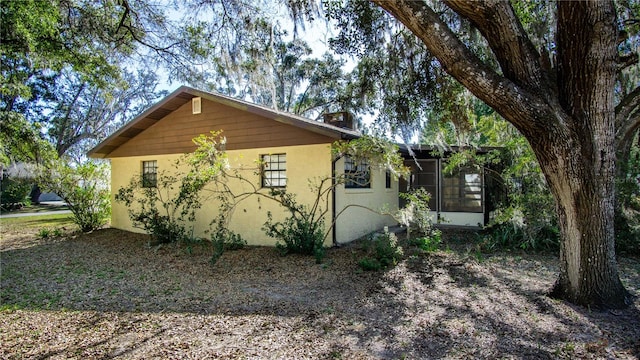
x,y
304,164
357,221
461,218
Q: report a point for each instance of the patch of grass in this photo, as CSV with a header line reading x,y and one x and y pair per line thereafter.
x,y
36,208
37,221
47,233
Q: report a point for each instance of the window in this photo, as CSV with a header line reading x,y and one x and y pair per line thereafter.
x,y
149,173
424,175
357,174
387,179
274,170
462,191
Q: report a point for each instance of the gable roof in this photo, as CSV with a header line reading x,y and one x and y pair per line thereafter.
x,y
184,94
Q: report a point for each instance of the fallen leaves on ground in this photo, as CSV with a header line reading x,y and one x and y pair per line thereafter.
x,y
108,294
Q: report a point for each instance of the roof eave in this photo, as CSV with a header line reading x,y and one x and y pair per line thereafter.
x,y
109,144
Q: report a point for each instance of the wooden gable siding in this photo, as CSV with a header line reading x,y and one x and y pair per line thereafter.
x,y
243,130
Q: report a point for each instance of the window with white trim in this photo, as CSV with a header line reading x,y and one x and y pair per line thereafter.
x,y
357,173
149,173
274,170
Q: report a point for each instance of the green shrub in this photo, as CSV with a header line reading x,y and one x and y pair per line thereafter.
x,y
300,233
85,189
161,228
234,241
512,236
220,233
47,233
416,215
428,243
218,250
382,252
164,210
14,192
528,220
627,226
44,233
297,235
369,264
223,239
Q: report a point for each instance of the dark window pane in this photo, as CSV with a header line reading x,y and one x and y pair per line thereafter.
x,y
357,174
462,191
149,173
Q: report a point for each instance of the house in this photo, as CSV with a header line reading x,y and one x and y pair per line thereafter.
x,y
295,149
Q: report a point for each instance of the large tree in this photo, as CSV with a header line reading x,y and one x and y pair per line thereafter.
x,y
61,70
81,113
564,105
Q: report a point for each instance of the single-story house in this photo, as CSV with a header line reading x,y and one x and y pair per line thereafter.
x,y
296,150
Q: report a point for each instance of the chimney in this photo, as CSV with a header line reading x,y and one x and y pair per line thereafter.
x,y
342,119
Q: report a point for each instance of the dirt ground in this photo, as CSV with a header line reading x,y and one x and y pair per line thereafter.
x,y
109,295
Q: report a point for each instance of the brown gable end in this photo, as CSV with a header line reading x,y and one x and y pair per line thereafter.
x,y
243,130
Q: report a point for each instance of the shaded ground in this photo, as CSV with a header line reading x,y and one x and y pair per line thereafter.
x,y
108,294
43,207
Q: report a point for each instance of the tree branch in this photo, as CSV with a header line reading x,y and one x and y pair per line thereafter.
x,y
626,60
627,119
525,109
498,23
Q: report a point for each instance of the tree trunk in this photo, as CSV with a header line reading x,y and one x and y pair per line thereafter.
x,y
585,202
581,165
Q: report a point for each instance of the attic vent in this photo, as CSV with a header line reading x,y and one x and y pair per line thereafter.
x,y
342,119
196,105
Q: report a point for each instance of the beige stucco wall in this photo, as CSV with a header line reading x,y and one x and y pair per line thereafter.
x,y
461,218
355,222
304,164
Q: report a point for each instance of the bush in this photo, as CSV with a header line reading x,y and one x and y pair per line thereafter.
x,y
382,252
511,236
161,228
46,233
627,225
85,189
369,264
415,216
233,241
224,239
428,243
297,236
162,211
301,233
528,222
167,210
14,192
